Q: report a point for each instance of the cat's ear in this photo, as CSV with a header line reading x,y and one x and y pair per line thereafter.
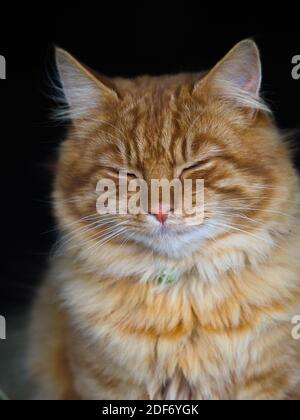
x,y
83,90
237,77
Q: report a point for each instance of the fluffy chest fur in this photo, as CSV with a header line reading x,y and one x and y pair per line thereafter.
x,y
189,340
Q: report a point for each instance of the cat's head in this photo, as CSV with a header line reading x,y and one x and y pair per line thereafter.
x,y
212,127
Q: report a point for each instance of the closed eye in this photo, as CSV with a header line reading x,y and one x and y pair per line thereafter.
x,y
195,166
120,171
131,175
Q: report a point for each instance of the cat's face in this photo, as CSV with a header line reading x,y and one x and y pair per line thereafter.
x,y
212,128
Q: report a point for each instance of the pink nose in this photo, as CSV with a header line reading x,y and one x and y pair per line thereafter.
x,y
161,215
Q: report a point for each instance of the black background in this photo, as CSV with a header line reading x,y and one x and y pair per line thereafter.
x,y
117,40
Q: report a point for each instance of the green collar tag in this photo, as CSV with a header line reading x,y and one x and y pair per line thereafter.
x,y
167,278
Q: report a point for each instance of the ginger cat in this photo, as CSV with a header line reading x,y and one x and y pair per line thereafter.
x,y
105,325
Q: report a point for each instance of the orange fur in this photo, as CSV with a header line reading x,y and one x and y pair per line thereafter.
x,y
103,328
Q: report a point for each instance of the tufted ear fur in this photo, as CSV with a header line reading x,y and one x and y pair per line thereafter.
x,y
237,77
83,91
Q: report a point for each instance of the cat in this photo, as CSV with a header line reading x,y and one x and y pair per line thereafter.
x,y
147,306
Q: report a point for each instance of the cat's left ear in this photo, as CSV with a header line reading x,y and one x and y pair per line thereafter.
x,y
84,91
236,78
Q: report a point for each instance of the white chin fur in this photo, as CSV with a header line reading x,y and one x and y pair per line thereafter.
x,y
176,245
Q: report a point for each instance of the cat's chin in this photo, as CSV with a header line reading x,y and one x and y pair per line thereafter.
x,y
174,244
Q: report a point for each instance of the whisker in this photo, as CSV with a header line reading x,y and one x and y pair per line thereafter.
x,y
67,238
105,240
102,234
229,226
253,209
129,237
227,215
96,234
57,228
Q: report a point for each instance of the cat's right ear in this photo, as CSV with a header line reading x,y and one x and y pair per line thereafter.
x,y
82,89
